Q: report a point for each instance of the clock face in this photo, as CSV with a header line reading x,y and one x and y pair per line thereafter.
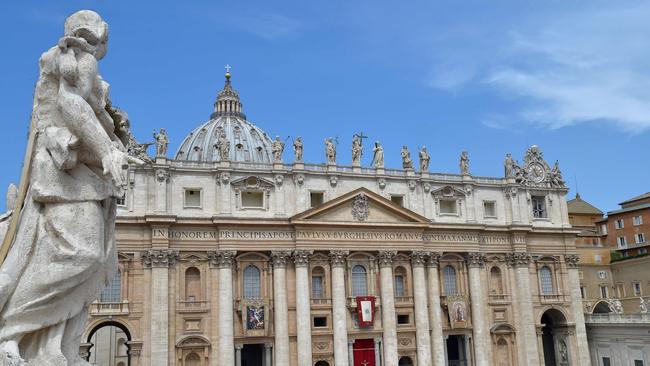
x,y
536,172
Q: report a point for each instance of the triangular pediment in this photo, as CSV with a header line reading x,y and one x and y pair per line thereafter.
x,y
360,206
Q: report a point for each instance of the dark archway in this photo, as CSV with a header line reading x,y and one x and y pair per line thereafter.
x,y
601,308
321,363
119,346
552,321
405,361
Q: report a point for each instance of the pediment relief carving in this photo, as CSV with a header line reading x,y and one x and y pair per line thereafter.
x,y
252,182
449,192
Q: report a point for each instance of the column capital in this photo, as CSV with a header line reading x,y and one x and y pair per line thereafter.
x,y
301,257
222,258
279,258
268,345
518,259
386,258
572,260
475,259
159,258
239,347
338,257
433,259
418,258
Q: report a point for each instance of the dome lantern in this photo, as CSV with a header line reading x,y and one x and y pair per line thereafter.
x,y
228,103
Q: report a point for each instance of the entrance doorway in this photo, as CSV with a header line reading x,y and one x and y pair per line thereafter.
x,y
457,350
109,345
252,355
555,346
364,352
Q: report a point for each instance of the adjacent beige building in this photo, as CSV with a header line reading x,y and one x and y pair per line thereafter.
x,y
230,256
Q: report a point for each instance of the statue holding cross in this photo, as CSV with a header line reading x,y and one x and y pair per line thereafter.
x,y
357,148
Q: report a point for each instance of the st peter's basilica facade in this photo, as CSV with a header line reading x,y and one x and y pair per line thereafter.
x,y
230,256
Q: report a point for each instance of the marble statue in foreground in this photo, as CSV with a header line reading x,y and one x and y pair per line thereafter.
x,y
61,251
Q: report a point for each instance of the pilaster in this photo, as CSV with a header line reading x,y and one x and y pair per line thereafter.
x,y
482,342
389,319
582,358
423,339
281,309
520,261
339,307
303,307
438,345
223,260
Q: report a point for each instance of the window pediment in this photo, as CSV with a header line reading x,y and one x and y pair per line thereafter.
x,y
252,182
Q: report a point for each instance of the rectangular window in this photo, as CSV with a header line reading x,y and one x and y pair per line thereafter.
x,y
636,287
583,292
606,361
640,238
619,224
622,243
602,275
315,199
399,286
625,254
638,220
320,321
539,207
317,287
638,362
448,207
620,290
192,198
598,258
402,319
604,292
603,229
489,209
250,199
643,250
398,200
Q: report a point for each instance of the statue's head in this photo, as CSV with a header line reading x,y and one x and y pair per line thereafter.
x,y
91,27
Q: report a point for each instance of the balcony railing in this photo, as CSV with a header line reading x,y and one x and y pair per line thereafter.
x,y
499,298
403,299
321,301
192,306
109,308
551,298
612,318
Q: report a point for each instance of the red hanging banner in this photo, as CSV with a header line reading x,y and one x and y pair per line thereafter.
x,y
366,311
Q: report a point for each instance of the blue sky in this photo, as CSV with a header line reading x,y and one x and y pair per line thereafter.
x,y
490,77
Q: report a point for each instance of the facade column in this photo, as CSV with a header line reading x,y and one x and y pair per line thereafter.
x,y
482,341
303,307
238,349
281,308
422,337
351,352
223,260
528,330
339,307
378,351
583,357
438,344
159,262
388,317
268,348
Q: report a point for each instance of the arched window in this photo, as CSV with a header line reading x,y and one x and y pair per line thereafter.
x,y
546,279
317,283
359,281
449,277
112,292
405,361
496,284
192,284
252,283
400,282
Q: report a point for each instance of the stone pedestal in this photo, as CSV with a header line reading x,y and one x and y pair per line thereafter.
x,y
339,308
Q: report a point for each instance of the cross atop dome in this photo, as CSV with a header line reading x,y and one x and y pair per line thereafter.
x,y
228,102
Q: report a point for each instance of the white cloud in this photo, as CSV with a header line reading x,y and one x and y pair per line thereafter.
x,y
586,66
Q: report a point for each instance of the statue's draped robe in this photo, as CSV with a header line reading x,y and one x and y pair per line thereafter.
x,y
64,250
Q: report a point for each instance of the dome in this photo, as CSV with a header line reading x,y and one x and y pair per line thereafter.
x,y
248,143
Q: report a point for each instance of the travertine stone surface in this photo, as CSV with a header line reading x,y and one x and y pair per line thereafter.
x,y
339,308
478,302
74,170
389,319
423,338
303,307
438,348
281,310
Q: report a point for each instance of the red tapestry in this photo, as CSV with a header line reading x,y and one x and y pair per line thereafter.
x,y
364,352
366,311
